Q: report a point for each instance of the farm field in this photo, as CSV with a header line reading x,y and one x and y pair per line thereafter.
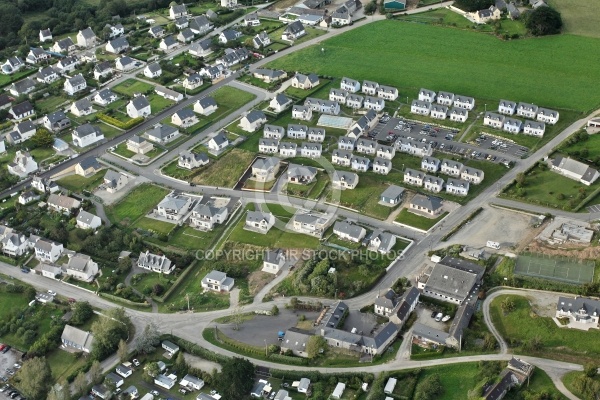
x,y
579,17
463,70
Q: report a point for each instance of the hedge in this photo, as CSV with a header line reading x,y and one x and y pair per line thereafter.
x,y
174,286
120,124
195,349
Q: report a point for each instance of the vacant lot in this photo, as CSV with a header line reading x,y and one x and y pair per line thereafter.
x,y
77,183
132,86
407,218
226,171
137,203
461,69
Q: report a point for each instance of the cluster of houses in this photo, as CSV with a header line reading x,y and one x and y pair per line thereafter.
x,y
374,97
461,176
534,124
442,105
311,13
263,389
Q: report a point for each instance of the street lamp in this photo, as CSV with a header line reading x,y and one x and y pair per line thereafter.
x,y
266,354
485,105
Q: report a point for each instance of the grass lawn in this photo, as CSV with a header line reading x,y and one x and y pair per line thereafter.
x,y
311,33
394,41
407,218
251,80
158,103
77,183
160,227
225,171
186,237
122,150
311,191
569,381
579,17
6,80
50,103
12,302
109,131
231,97
365,196
136,204
522,325
173,170
132,86
63,363
41,153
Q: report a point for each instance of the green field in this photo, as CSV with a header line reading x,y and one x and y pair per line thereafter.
x,y
408,218
158,103
419,56
63,363
579,17
153,225
131,86
523,325
231,97
136,204
225,171
77,183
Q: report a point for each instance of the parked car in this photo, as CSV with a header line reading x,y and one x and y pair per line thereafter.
x,y
136,362
51,293
439,317
433,314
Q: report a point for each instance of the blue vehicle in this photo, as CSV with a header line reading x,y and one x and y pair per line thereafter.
x,y
25,270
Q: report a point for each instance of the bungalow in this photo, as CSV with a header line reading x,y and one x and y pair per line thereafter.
x,y
56,121
420,107
205,216
438,111
253,120
430,164
36,55
273,132
48,251
527,110
370,88
575,170
185,36
433,183
192,382
268,146
184,118
86,135
177,11
261,40
86,38
305,82
161,133
316,135
427,95
124,371
229,35
205,106
534,128
166,382
347,230
75,84
360,164
273,261
23,87
341,157
139,106
323,106
46,75
374,103
64,45
338,95
300,174
311,150
392,195
346,143
280,102
265,169
218,142
366,146
350,85
200,25
413,177
259,222
512,125
87,167
170,347
452,168
507,107
269,75
387,92
153,70
472,175
104,97
217,281
76,339
81,108
117,45
445,98
295,341
457,187
45,35
168,94
192,81
155,263
354,101
156,31
139,145
468,103
23,164
190,160
426,204
458,114
293,31
86,220
302,113
547,116
382,166
494,120
344,180
114,181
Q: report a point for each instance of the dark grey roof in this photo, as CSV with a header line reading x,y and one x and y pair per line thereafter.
x,y
89,162
428,202
46,71
119,42
348,228
388,300
140,102
76,80
83,104
220,138
207,102
88,33
179,9
348,177
294,28
230,34
461,321
187,33
155,30
85,130
199,23
185,113
56,116
499,389
162,131
65,43
204,44
255,115
429,333
24,85
154,67
105,94
574,305
274,256
169,41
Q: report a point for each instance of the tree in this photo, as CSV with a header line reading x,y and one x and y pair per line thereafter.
x,y
520,179
146,343
158,289
152,369
429,388
236,378
507,305
122,351
370,8
95,372
472,5
314,346
82,312
108,331
80,384
590,369
544,21
59,392
274,310
43,138
35,378
180,364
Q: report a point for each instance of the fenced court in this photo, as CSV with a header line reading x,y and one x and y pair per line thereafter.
x,y
333,121
563,269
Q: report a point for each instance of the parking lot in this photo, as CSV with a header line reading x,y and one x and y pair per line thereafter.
x,y
502,146
442,140
8,367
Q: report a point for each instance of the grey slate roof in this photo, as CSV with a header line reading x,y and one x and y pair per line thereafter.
x,y
140,102
429,202
348,228
568,304
207,102
255,115
85,130
393,192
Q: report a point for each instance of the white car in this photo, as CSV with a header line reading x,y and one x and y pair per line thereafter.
x,y
51,293
154,393
136,362
438,317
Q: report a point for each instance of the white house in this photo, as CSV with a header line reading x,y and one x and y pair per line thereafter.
x,y
104,97
433,183
374,103
114,181
206,216
46,75
350,85
295,131
184,118
527,110
382,166
86,220
177,11
152,70
457,187
302,113
293,31
507,107
268,146
341,157
124,63
420,107
81,108
430,164
360,164
253,120
86,38
575,170
162,133
62,204
217,282
259,222
512,125
445,98
427,95
48,251
117,45
23,164
155,263
218,142
205,106
190,160
452,168
387,92
75,84
347,230
139,106
344,180
273,132
438,111
493,120
316,135
174,207
458,114
311,150
472,175
45,35
305,82
547,116
468,103
280,102
86,135
534,128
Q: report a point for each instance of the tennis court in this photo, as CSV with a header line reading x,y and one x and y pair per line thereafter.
x,y
333,121
555,268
